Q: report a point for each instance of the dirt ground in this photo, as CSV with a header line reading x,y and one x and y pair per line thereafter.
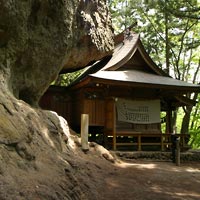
x,y
152,180
94,175
147,180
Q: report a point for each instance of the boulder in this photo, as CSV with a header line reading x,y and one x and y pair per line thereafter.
x,y
38,38
39,158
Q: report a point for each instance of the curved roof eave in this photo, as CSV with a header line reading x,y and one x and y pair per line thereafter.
x,y
143,78
149,61
122,53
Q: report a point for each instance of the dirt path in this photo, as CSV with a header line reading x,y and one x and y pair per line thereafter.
x,y
148,180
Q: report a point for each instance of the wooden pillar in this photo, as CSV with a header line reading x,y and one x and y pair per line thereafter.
x,y
139,143
114,128
178,151
169,121
110,121
84,131
162,142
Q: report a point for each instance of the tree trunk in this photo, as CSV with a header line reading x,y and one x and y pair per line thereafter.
x,y
174,119
167,48
194,123
186,118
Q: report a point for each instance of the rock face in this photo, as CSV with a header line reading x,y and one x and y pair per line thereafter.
x,y
41,159
38,38
93,37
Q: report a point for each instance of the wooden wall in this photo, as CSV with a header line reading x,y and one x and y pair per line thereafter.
x,y
55,99
85,101
96,102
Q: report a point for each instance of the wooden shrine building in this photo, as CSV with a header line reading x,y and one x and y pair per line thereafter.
x,y
124,96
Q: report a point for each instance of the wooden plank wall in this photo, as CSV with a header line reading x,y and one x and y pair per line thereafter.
x,y
58,102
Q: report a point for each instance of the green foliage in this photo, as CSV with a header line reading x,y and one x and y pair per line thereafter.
x,y
195,116
66,79
195,126
195,138
165,28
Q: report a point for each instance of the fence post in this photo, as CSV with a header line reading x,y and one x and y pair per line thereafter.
x,y
178,151
84,131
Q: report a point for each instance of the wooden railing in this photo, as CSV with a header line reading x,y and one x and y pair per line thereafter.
x,y
143,139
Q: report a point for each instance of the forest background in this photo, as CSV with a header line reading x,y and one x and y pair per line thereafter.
x,y
170,32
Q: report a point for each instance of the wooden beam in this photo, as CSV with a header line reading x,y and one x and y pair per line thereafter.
x,y
114,128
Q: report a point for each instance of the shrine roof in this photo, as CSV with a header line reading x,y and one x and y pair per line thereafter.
x,y
131,64
145,79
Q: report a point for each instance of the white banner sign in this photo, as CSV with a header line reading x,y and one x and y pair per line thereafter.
x,y
139,112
